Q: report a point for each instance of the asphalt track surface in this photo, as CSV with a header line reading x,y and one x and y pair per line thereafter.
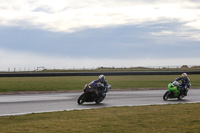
x,y
50,102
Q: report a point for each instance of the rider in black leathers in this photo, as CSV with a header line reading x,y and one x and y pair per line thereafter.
x,y
185,85
102,85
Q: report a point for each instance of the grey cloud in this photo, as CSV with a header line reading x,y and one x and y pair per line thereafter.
x,y
43,9
110,42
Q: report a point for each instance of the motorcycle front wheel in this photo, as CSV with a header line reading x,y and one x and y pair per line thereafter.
x,y
81,99
166,95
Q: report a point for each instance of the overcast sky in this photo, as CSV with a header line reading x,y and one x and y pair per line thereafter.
x,y
94,33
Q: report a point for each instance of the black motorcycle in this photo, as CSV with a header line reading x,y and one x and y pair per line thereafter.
x,y
93,94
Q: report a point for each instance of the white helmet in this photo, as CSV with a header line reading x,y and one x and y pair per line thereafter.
x,y
102,78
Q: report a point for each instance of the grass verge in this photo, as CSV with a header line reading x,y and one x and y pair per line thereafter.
x,y
181,118
77,82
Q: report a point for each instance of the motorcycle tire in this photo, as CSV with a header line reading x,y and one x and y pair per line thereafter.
x,y
180,97
166,95
99,100
81,99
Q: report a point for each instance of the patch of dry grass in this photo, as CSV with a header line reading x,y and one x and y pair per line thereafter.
x,y
181,118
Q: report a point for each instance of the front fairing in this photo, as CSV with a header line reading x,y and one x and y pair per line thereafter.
x,y
91,93
173,89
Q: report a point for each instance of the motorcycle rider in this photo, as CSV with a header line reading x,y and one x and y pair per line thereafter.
x,y
185,85
102,85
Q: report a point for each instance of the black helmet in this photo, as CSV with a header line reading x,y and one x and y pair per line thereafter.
x,y
102,78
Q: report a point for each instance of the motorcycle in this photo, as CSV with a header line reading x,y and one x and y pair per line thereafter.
x,y
173,91
92,94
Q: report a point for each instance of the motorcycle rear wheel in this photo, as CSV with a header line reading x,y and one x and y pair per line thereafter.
x,y
99,100
180,97
166,95
81,99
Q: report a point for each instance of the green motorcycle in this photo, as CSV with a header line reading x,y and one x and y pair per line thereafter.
x,y
173,91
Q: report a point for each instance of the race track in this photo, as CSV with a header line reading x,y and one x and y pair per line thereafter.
x,y
49,102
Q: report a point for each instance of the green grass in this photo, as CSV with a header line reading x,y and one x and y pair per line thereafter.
x,y
181,118
8,84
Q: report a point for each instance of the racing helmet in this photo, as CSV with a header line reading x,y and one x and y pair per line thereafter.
x,y
102,78
184,75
